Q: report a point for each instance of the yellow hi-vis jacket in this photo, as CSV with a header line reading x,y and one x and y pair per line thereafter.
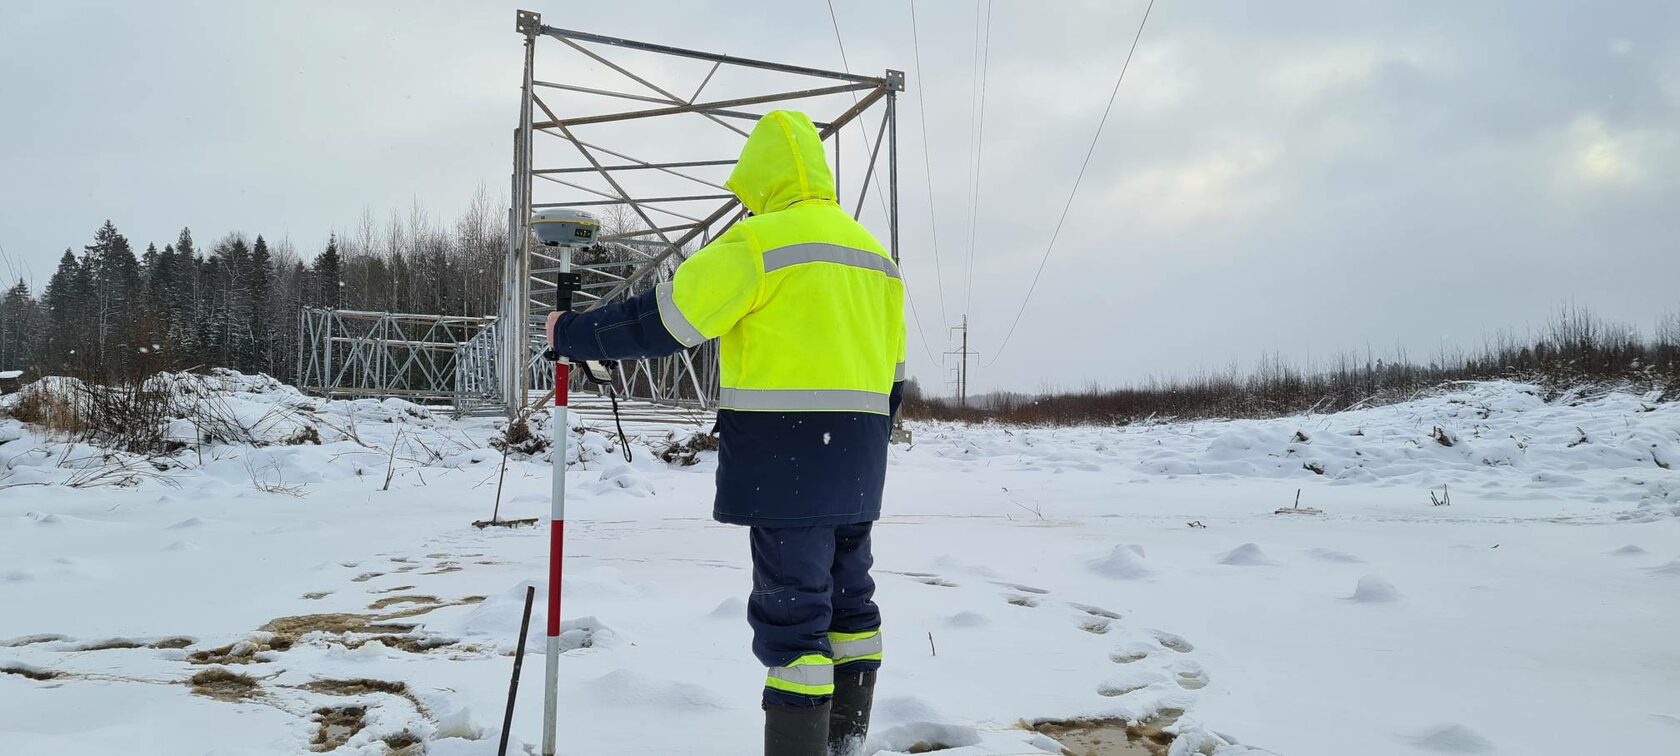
x,y
808,310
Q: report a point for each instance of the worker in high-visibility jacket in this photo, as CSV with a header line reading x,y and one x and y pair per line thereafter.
x,y
809,313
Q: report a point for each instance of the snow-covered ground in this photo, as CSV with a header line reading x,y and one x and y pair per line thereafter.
x,y
1025,575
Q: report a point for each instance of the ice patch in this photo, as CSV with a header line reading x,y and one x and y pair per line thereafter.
x,y
1374,590
1123,563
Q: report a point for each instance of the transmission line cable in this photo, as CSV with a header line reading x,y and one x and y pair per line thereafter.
x,y
847,66
997,354
979,151
927,164
867,149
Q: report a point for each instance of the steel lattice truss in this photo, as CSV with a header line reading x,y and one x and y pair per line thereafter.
x,y
431,359
604,128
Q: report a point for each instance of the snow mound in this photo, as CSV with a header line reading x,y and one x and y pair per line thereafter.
x,y
967,619
1452,738
494,624
1246,555
922,737
627,688
1374,590
1332,555
1123,563
729,609
1629,550
1672,568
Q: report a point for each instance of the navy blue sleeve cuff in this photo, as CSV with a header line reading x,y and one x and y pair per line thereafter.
x,y
627,330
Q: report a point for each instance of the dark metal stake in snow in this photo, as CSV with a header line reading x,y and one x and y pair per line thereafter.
x,y
518,661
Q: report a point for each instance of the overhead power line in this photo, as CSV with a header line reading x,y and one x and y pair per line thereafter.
x,y
998,354
978,165
927,164
847,67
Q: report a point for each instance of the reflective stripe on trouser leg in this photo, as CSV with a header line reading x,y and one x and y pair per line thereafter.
x,y
809,675
855,647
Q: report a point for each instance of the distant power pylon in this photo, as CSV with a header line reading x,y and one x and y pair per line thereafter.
x,y
960,380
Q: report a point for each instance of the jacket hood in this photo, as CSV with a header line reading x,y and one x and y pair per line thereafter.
x,y
781,164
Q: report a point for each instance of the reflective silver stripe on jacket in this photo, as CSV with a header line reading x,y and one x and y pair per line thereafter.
x,y
898,373
798,254
804,400
848,650
680,328
807,674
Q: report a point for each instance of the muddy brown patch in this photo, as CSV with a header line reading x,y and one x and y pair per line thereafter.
x,y
243,652
394,590
30,640
366,576
404,743
171,643
1108,736
317,595
111,645
391,601
337,725
33,673
443,568
224,685
356,687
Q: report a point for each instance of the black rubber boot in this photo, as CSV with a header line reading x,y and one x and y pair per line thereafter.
x,y
854,694
796,730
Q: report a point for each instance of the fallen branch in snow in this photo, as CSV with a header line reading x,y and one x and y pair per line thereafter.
x,y
1445,499
1297,508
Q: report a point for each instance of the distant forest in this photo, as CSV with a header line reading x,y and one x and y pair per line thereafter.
x,y
1574,350
111,311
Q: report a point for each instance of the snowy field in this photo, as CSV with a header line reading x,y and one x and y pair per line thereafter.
x,y
335,596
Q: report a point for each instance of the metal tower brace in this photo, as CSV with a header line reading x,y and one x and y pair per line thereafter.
x,y
691,377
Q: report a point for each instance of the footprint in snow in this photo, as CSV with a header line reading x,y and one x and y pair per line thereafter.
x,y
1096,611
1095,625
1022,599
1174,642
1131,653
935,581
1024,588
1190,676
1130,681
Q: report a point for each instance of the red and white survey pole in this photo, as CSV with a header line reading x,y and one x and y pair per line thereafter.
x,y
561,230
556,551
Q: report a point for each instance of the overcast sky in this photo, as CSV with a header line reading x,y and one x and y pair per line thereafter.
x,y
1300,177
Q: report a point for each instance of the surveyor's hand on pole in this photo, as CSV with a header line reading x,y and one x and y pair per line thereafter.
x,y
548,332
